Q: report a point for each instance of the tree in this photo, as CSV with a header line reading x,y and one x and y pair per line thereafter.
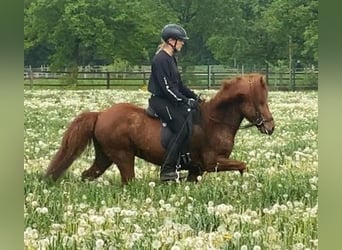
x,y
291,24
66,33
81,32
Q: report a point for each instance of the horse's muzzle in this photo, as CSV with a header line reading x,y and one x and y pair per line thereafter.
x,y
267,127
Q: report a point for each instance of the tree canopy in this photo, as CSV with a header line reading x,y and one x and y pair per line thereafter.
x,y
67,33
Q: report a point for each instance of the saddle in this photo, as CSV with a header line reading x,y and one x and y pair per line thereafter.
x,y
166,136
166,133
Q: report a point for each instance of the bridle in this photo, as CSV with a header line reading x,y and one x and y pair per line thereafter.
x,y
259,121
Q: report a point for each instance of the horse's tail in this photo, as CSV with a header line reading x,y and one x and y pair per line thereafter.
x,y
75,139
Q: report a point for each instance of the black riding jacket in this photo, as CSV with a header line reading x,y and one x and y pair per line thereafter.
x,y
165,80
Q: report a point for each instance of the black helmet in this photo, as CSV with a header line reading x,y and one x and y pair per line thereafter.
x,y
174,31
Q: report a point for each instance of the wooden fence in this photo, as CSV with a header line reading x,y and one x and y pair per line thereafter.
x,y
300,80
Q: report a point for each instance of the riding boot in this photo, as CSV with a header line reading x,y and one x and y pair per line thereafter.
x,y
168,169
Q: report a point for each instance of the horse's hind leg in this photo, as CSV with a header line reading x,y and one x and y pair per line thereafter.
x,y
100,164
125,162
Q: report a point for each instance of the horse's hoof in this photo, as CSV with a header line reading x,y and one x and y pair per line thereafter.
x,y
86,176
243,170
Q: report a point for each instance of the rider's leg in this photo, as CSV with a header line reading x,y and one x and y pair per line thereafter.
x,y
180,134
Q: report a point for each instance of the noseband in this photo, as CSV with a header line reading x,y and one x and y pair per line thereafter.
x,y
259,121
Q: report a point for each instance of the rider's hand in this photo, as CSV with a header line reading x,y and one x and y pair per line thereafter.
x,y
192,103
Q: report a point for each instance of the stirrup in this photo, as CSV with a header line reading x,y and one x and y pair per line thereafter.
x,y
171,176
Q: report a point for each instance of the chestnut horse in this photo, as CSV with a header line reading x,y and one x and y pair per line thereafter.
x,y
124,131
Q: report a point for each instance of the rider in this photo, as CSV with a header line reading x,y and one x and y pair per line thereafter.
x,y
170,98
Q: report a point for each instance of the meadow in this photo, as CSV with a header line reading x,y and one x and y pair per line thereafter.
x,y
273,206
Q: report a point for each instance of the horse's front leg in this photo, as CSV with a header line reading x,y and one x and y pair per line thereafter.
x,y
225,164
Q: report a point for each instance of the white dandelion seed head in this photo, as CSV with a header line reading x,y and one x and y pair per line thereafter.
x,y
175,247
237,235
99,243
156,244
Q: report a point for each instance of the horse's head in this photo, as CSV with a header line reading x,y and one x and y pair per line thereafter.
x,y
243,97
254,105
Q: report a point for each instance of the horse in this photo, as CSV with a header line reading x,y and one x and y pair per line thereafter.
x,y
125,131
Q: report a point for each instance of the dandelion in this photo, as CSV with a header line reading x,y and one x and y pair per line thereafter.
x,y
152,184
146,214
256,222
156,244
43,243
227,236
314,242
83,205
136,236
34,204
256,234
99,244
211,210
99,220
270,230
256,247
237,235
175,247
42,210
109,212
244,247
298,246
313,180
45,191
81,231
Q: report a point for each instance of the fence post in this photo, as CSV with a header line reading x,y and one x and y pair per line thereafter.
x,y
212,77
30,73
144,78
108,80
267,72
208,79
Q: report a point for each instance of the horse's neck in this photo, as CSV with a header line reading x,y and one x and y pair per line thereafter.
x,y
228,114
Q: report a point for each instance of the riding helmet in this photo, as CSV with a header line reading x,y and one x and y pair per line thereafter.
x,y
174,31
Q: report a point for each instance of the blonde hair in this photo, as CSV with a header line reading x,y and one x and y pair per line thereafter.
x,y
161,46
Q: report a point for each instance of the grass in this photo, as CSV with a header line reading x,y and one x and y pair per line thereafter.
x,y
273,206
